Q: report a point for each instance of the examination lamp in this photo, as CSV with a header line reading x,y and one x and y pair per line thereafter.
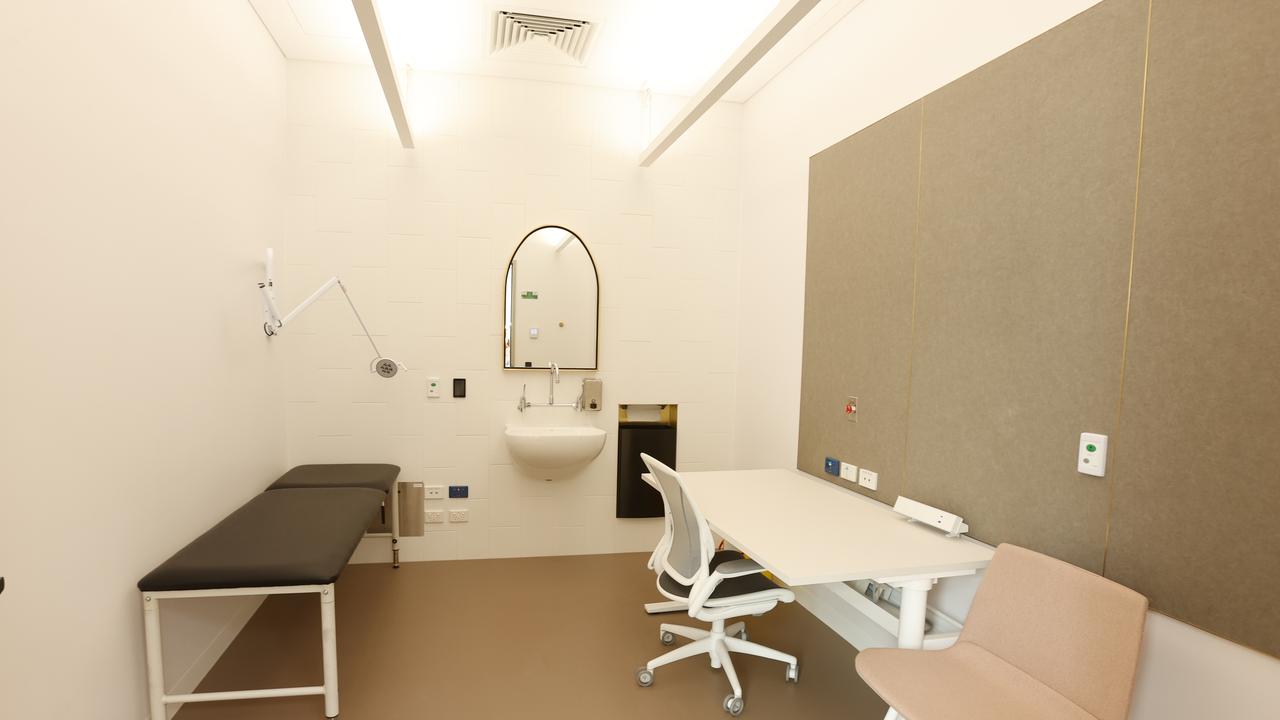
x,y
382,365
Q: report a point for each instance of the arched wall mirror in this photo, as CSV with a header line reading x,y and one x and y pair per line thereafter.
x,y
552,303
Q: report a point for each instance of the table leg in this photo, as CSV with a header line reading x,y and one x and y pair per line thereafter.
x,y
911,613
329,651
155,657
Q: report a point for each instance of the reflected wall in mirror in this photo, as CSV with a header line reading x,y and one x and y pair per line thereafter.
x,y
552,303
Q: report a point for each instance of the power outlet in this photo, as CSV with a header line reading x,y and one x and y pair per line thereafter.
x,y
868,479
458,516
434,516
848,472
434,492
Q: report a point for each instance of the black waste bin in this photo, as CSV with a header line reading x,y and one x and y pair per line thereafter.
x,y
635,498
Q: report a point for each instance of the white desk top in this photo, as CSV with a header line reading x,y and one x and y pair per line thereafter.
x,y
807,532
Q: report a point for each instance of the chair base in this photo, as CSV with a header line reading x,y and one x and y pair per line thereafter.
x,y
657,608
719,642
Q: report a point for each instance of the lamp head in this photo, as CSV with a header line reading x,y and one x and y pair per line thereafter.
x,y
386,367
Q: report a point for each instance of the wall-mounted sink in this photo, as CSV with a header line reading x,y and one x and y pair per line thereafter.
x,y
548,448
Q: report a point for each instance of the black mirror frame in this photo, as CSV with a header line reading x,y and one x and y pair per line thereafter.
x,y
594,269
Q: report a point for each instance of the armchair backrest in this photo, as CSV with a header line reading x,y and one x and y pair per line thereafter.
x,y
1077,632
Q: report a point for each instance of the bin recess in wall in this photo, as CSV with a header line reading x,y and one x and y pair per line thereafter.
x,y
647,429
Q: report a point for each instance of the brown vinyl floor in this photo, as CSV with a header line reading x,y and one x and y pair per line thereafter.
x,y
534,638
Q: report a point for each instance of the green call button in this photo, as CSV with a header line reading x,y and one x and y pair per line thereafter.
x,y
1091,447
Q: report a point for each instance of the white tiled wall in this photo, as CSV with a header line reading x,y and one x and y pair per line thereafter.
x,y
422,237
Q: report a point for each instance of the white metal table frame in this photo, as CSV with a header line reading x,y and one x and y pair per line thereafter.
x,y
158,699
914,584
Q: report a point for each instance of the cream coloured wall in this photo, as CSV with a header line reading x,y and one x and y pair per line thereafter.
x,y
142,148
422,238
879,58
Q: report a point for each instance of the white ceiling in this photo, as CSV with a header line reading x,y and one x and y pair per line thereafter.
x,y
668,46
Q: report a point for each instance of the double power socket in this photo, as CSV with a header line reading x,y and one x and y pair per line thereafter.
x,y
435,516
864,477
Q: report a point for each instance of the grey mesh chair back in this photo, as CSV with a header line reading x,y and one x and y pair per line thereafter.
x,y
689,554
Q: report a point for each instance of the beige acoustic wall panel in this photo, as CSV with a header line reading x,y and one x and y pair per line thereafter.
x,y
857,330
1196,523
1028,178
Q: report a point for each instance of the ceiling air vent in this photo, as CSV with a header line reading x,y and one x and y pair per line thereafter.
x,y
525,36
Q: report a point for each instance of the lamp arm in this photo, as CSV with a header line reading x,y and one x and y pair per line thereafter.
x,y
280,322
377,353
326,287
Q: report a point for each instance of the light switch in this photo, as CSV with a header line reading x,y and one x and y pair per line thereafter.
x,y
848,472
1092,459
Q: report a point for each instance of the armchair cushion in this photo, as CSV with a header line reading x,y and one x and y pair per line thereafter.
x,y
963,682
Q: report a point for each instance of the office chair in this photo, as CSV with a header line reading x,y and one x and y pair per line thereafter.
x,y
716,590
1043,640
655,564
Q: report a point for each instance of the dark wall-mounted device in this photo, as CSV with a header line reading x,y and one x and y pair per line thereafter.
x,y
459,387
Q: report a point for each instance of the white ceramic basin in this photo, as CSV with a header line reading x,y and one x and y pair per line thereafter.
x,y
552,447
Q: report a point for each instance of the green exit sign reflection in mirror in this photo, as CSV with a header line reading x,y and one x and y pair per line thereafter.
x,y
528,295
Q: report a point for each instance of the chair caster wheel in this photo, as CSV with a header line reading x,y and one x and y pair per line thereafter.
x,y
644,677
793,673
667,638
733,704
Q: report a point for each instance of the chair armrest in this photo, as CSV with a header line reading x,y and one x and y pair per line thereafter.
x,y
703,589
738,568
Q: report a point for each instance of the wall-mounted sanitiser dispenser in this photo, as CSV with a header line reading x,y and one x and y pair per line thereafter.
x,y
592,394
412,507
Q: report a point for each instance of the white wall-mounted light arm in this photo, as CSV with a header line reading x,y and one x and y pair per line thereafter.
x,y
384,366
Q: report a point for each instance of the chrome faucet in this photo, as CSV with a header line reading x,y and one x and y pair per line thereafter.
x,y
555,378
524,403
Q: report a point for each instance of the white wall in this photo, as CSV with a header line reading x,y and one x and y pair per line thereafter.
x,y
882,56
142,160
422,238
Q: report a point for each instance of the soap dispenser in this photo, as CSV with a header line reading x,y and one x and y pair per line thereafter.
x,y
592,394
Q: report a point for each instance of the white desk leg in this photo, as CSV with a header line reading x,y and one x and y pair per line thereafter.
x,y
911,613
893,715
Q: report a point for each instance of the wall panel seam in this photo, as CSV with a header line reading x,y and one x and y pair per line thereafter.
x,y
1128,302
915,274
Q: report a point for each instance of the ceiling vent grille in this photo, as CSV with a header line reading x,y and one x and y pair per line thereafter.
x,y
571,38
